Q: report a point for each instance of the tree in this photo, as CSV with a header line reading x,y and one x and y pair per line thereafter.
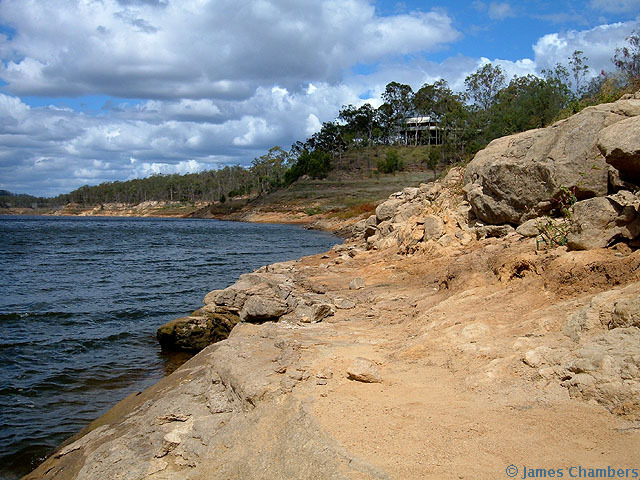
x,y
399,99
627,59
579,71
484,85
528,102
433,159
360,122
435,99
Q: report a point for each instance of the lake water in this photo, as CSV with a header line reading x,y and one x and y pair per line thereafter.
x,y
80,302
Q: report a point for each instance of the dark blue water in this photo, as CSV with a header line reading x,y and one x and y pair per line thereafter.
x,y
80,302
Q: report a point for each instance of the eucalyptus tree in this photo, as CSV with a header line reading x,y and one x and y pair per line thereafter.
x,y
398,101
579,71
627,59
484,84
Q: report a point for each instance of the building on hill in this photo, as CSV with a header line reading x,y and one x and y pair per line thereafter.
x,y
420,131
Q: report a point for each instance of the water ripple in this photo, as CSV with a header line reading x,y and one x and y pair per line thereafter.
x,y
81,298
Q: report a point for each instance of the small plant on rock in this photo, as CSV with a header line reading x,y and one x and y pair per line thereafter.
x,y
553,232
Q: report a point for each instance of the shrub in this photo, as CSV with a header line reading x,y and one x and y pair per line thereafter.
x,y
391,163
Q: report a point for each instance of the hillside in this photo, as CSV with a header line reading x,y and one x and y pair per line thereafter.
x,y
352,188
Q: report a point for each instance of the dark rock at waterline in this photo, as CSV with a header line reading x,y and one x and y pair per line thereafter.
x,y
195,332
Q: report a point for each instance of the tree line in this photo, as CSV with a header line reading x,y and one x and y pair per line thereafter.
x,y
467,121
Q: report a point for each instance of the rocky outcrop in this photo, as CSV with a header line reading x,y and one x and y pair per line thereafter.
x,y
520,176
419,219
269,294
599,222
620,146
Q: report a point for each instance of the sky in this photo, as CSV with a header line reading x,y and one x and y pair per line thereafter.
x,y
104,90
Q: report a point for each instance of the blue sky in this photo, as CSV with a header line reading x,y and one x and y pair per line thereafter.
x,y
94,91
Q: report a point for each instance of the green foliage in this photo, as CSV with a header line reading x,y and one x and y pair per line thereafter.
x,y
223,198
8,200
391,163
527,102
627,59
579,70
462,129
554,232
434,158
313,211
316,164
484,85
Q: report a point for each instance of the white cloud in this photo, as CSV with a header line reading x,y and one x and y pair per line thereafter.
x,y
500,10
598,45
200,49
615,6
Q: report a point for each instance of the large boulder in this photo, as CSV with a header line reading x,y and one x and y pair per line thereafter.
x,y
620,145
387,209
517,177
599,222
259,308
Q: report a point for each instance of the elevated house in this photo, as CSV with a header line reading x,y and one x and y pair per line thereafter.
x,y
420,131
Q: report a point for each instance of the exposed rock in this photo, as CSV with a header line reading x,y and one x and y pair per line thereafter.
x,y
260,308
385,228
433,227
598,222
320,311
620,145
626,313
364,370
607,370
386,210
358,228
195,332
344,303
494,231
619,307
357,283
406,211
509,179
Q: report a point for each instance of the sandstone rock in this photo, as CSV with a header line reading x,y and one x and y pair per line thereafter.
x,y
430,190
626,313
386,210
530,228
607,370
620,145
433,227
385,228
407,194
494,231
364,370
509,178
195,332
357,283
535,226
259,308
344,303
406,211
598,222
320,311
358,228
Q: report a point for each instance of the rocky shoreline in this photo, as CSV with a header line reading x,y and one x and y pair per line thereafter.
x,y
481,321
